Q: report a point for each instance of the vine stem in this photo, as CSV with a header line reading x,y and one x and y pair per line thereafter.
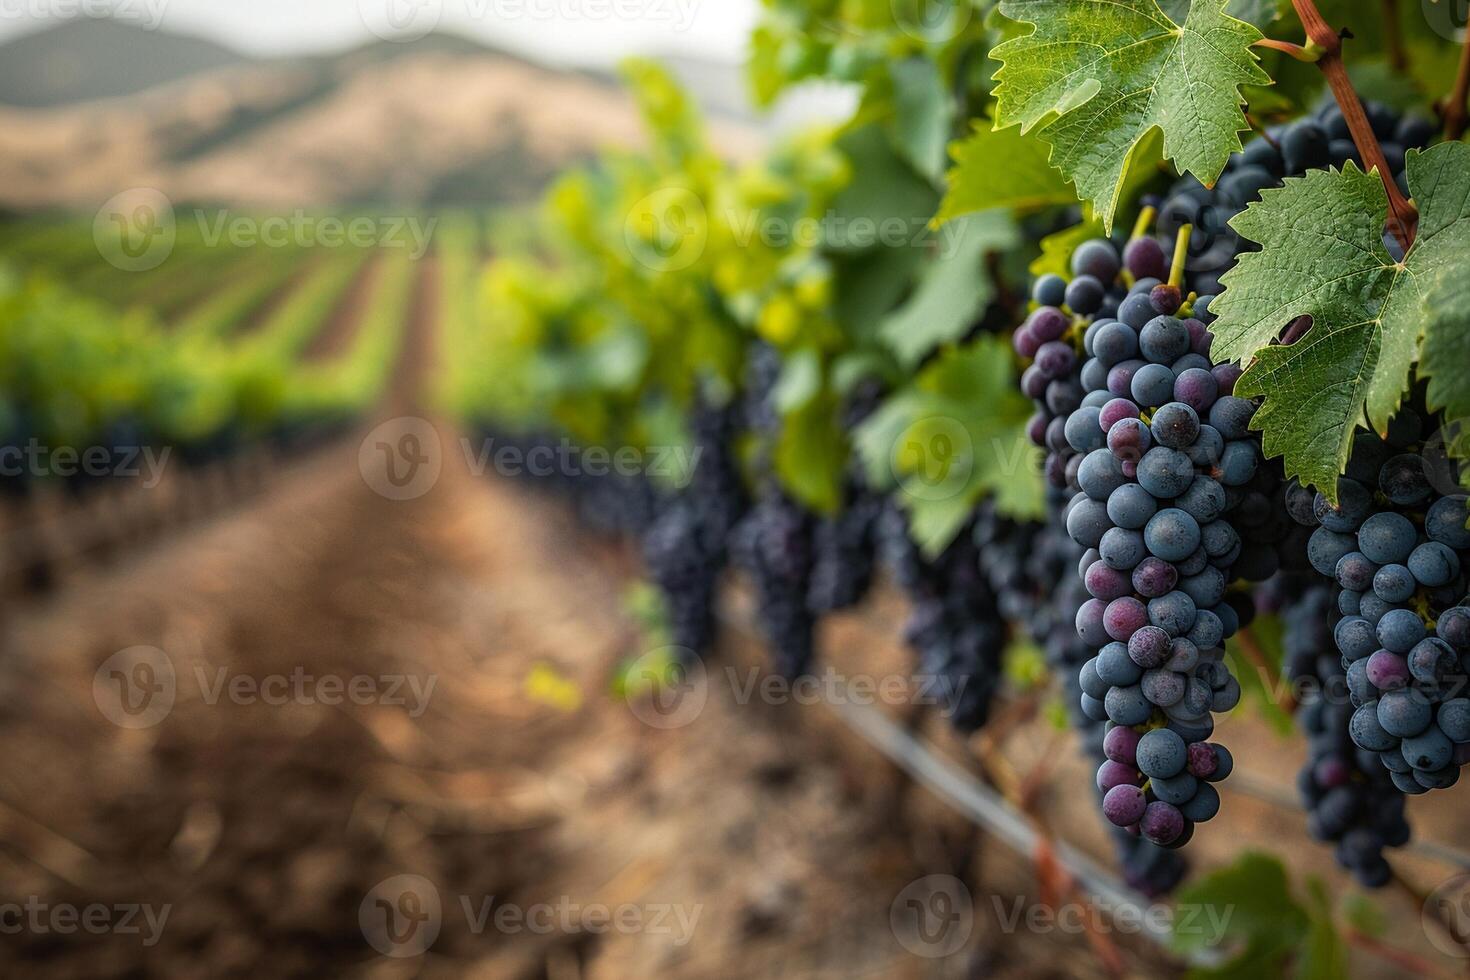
x,y
1323,36
1141,226
1398,58
1301,52
1428,911
1270,678
1181,256
1409,962
1454,110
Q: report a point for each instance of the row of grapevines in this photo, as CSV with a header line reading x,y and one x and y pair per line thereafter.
x,y
993,140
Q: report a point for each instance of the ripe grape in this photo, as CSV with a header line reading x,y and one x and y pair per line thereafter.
x,y
1386,537
1049,290
1097,258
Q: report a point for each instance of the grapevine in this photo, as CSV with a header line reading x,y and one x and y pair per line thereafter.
x,y
1184,313
1104,365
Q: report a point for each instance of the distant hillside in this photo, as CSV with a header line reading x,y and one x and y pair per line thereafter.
x,y
86,59
443,120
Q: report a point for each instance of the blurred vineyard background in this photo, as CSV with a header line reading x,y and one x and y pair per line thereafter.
x,y
237,292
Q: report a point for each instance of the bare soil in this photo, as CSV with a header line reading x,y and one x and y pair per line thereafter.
x,y
489,759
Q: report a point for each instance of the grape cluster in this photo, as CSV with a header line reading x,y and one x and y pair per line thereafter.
x,y
954,625
607,503
1349,797
1019,560
1316,141
1148,868
1160,451
679,563
1398,549
684,548
773,544
846,544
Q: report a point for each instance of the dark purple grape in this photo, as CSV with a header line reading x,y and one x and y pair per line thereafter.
x,y
1144,258
1154,577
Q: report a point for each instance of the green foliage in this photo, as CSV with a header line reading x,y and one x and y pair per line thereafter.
x,y
352,381
1025,665
1057,248
77,372
922,115
859,41
953,290
1267,932
1002,168
1324,954
1093,79
884,192
811,453
1322,255
951,437
1261,13
1267,633
1364,915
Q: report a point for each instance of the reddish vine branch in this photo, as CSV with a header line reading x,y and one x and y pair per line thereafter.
x,y
1454,109
1402,214
1300,52
1411,963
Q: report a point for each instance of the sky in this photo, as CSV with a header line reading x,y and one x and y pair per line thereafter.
x,y
579,32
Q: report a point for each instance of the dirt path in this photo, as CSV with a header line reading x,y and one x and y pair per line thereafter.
x,y
334,728
248,731
263,827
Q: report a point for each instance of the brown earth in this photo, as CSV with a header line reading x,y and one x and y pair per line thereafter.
x,y
755,840
387,133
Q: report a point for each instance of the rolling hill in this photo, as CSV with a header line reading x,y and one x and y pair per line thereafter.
x,y
441,121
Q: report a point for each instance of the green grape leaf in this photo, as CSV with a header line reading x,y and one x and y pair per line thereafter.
x,y
869,284
1001,168
810,455
1057,249
953,436
954,289
920,116
851,367
1324,955
1447,352
1246,909
1255,685
800,381
885,200
1261,13
762,72
1365,915
1095,77
1323,255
